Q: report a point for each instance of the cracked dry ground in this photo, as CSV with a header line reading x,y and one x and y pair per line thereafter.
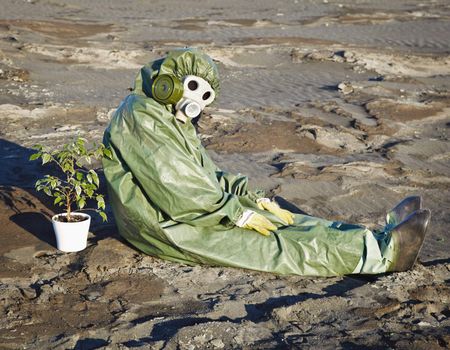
x,y
340,123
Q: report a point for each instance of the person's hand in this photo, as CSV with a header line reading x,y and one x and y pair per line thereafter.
x,y
285,215
254,221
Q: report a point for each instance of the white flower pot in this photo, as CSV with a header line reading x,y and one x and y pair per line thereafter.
x,y
71,236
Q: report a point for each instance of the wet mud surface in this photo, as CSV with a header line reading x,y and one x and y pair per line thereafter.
x,y
338,109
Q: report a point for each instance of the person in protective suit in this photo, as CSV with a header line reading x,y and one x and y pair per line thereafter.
x,y
171,201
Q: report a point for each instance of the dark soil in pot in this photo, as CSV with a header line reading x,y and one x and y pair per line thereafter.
x,y
73,218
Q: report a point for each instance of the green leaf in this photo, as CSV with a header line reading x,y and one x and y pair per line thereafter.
x,y
78,190
100,202
79,176
89,178
57,200
47,191
107,153
61,156
80,142
103,215
68,168
95,177
35,156
46,157
81,203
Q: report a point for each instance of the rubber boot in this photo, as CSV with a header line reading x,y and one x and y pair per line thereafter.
x,y
408,238
404,208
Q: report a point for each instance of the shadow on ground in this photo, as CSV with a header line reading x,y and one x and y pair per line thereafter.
x,y
256,313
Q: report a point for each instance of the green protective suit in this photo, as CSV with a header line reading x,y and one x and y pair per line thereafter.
x,y
171,201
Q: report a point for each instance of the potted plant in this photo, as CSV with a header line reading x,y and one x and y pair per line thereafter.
x,y
73,188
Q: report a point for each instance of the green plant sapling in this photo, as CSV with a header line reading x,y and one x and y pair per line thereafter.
x,y
76,184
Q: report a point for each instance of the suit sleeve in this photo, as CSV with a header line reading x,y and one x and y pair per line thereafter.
x,y
169,175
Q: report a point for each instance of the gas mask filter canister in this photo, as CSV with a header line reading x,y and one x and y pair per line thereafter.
x,y
189,97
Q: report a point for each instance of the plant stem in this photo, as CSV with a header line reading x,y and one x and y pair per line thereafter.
x,y
68,199
68,207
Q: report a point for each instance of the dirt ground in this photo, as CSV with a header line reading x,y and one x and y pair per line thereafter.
x,y
338,109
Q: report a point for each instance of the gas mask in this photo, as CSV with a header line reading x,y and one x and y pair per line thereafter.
x,y
190,97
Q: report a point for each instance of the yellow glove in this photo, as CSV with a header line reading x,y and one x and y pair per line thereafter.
x,y
273,207
254,221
